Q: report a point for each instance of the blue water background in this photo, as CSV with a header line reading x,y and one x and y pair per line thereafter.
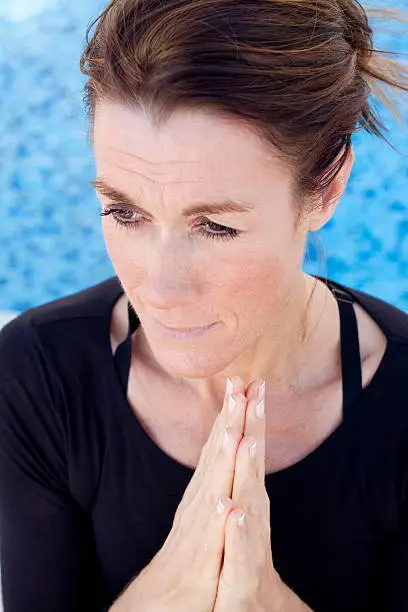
x,y
50,231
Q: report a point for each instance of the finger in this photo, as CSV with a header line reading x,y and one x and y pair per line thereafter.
x,y
216,460
248,491
236,568
252,388
233,387
255,429
220,468
247,544
246,555
207,563
213,489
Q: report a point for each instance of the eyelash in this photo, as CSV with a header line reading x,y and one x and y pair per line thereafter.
x,y
228,232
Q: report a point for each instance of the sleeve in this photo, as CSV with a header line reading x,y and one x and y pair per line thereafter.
x,y
47,555
399,591
396,547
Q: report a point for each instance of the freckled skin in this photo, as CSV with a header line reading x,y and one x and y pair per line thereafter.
x,y
252,285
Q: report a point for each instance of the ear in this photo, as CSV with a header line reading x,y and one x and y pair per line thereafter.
x,y
327,203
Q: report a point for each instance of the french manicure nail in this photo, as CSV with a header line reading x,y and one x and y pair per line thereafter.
x,y
231,404
223,504
260,409
252,448
225,439
229,387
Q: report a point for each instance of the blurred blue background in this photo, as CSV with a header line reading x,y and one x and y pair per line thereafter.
x,y
50,230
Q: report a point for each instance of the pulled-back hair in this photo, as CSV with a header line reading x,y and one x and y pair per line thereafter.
x,y
298,72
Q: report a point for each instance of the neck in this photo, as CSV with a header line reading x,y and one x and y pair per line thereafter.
x,y
283,356
285,348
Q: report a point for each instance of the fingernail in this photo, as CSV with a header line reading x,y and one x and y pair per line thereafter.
x,y
229,387
261,391
225,439
223,504
241,519
260,409
231,404
252,448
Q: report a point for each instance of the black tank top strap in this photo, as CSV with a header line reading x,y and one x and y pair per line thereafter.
x,y
350,348
123,353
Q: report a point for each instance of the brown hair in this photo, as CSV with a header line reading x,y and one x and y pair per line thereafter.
x,y
299,72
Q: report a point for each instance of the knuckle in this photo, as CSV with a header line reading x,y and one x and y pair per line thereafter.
x,y
179,515
252,583
212,550
267,503
204,566
177,518
210,498
187,583
254,509
185,521
235,435
249,581
179,523
240,559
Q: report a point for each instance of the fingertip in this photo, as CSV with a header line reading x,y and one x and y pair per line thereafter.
x,y
224,505
238,516
252,389
238,383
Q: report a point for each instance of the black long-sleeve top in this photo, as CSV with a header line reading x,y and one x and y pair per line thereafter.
x,y
87,498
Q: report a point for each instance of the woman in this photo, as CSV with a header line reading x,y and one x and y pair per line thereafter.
x,y
222,136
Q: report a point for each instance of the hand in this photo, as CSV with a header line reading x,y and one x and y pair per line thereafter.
x,y
184,574
248,580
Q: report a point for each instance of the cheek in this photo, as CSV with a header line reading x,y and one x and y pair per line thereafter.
x,y
125,259
231,277
250,282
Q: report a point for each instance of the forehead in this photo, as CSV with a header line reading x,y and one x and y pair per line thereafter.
x,y
191,145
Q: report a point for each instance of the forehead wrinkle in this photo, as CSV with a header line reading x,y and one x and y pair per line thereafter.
x,y
160,183
152,163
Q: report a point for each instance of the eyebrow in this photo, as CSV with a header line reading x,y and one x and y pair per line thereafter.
x,y
207,208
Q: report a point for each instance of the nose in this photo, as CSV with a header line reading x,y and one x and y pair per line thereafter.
x,y
171,278
162,294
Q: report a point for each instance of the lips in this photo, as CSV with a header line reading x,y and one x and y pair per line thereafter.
x,y
184,329
181,334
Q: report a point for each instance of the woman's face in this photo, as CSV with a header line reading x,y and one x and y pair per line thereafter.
x,y
185,270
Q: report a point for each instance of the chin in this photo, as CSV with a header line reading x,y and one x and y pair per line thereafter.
x,y
190,363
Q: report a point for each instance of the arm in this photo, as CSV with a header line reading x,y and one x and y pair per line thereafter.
x,y
47,556
397,569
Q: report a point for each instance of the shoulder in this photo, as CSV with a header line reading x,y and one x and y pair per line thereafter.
x,y
51,391
392,321
48,352
88,303
383,336
48,337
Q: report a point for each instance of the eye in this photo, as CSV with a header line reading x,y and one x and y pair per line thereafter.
x,y
123,218
220,232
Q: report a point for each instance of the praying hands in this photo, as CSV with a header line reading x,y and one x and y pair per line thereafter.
x,y
214,558
248,580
